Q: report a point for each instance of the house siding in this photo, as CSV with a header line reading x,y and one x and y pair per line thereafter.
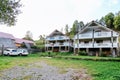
x,y
97,39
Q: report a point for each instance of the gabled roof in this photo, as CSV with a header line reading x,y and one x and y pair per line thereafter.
x,y
94,25
56,32
20,41
6,35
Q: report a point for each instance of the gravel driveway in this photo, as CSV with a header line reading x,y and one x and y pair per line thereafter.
x,y
43,71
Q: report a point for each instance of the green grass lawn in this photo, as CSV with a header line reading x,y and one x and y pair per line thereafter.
x,y
99,70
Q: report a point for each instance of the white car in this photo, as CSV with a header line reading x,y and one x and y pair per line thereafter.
x,y
10,52
22,52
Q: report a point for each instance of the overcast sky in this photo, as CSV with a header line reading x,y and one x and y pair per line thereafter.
x,y
44,16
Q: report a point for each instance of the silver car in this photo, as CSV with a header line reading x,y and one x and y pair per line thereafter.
x,y
22,52
10,52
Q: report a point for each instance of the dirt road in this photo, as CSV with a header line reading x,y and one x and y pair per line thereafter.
x,y
43,71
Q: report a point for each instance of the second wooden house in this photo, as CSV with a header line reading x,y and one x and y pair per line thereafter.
x,y
57,42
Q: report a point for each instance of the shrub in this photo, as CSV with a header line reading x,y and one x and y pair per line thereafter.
x,y
103,54
48,54
82,53
64,53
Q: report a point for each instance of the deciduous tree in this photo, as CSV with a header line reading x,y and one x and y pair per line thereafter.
x,y
109,19
117,21
28,36
9,9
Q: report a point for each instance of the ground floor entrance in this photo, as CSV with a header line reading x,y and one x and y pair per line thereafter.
x,y
99,51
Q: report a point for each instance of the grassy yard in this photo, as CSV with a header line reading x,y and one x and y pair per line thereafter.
x,y
99,70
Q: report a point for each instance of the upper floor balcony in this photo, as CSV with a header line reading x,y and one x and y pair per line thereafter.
x,y
57,44
95,35
102,34
83,36
88,45
57,38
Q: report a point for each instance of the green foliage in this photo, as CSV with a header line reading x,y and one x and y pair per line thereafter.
x,y
48,54
64,54
117,22
54,54
103,54
82,53
39,44
28,36
74,28
99,70
81,24
9,9
109,19
67,30
104,70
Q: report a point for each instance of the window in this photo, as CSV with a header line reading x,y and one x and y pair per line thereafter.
x,y
51,37
86,42
60,37
99,41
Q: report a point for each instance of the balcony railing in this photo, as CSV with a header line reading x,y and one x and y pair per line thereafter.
x,y
96,45
105,45
96,35
84,36
57,38
89,45
58,44
102,34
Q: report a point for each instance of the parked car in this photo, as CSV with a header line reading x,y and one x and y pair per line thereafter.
x,y
22,52
10,52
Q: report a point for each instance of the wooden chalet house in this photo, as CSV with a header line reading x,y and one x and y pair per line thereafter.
x,y
97,39
57,42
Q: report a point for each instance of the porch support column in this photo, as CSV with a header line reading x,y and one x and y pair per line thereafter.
x,y
65,48
74,47
112,50
59,48
46,49
69,45
78,44
52,48
117,51
68,48
87,50
93,38
100,51
118,54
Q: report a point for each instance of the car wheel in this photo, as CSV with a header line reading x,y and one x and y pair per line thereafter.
x,y
8,54
20,54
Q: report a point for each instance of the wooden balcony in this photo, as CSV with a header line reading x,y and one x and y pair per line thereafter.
x,y
96,45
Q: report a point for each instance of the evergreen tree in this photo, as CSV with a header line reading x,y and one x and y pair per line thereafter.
x,y
67,30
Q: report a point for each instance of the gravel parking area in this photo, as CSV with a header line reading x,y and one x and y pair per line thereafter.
x,y
43,71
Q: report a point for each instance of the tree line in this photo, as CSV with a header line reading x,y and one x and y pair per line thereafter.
x,y
110,20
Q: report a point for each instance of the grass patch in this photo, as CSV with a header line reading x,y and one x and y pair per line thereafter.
x,y
93,58
99,70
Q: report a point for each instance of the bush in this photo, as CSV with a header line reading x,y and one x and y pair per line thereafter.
x,y
82,53
103,54
53,54
64,53
48,54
